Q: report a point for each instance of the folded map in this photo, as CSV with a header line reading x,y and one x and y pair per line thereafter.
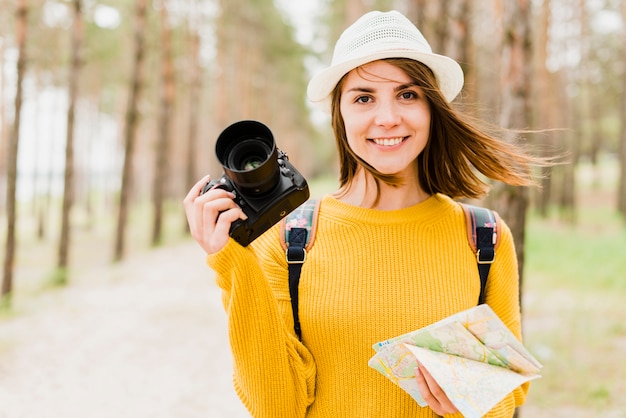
x,y
472,355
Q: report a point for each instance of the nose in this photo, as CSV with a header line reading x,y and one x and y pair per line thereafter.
x,y
387,114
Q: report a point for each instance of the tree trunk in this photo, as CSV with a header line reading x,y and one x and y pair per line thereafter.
x,y
621,193
546,103
222,60
68,195
354,10
44,209
130,128
573,140
3,129
580,111
431,18
7,281
195,86
594,115
440,27
512,202
161,177
459,45
416,12
35,201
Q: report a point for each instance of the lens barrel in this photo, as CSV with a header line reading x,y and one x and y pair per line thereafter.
x,y
248,154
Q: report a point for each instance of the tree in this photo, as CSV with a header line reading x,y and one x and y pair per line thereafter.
x,y
20,37
262,77
195,87
3,125
546,103
621,193
447,25
161,168
578,116
68,194
512,202
459,42
130,127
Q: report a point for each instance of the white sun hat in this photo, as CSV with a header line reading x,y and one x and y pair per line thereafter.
x,y
378,35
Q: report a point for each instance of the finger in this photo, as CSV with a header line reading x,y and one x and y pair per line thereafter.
x,y
210,215
196,188
188,203
215,216
196,205
424,389
225,220
441,404
217,234
209,207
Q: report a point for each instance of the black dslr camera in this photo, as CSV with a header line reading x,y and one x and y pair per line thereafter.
x,y
266,186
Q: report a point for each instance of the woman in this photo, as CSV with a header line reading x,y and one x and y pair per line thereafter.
x,y
390,255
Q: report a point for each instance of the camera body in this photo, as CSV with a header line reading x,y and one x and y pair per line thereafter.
x,y
267,187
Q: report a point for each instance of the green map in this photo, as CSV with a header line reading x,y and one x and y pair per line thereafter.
x,y
472,355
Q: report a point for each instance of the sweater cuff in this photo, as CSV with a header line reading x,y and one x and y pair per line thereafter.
x,y
230,259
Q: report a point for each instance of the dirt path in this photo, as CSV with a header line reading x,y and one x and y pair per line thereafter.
x,y
140,339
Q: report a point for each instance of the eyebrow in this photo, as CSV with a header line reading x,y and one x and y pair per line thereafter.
x,y
360,90
371,90
406,86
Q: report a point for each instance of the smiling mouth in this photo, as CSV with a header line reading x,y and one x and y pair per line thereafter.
x,y
388,142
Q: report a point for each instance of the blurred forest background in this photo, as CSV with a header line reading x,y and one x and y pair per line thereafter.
x,y
109,111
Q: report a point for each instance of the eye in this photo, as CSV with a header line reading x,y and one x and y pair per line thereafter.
x,y
363,99
408,95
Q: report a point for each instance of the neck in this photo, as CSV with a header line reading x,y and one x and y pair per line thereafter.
x,y
361,191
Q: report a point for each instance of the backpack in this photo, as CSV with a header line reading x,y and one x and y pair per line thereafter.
x,y
297,235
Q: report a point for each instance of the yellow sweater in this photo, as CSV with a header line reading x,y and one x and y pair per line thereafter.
x,y
371,275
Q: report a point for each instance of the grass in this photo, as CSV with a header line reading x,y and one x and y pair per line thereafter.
x,y
574,310
588,256
574,291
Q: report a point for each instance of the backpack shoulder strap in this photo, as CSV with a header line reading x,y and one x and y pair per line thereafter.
x,y
303,217
482,235
298,229
297,235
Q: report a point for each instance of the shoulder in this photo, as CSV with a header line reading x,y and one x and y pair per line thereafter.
x,y
268,248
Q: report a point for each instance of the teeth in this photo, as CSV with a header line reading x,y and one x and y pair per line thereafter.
x,y
388,142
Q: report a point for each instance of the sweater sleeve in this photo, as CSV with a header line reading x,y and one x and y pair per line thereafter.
x,y
274,374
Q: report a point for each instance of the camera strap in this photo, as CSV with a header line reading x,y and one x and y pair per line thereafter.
x,y
297,235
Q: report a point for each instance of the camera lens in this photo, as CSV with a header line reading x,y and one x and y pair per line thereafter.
x,y
248,154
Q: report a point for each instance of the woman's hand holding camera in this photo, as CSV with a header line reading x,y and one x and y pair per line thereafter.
x,y
210,215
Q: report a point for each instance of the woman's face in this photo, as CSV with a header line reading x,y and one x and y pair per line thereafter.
x,y
386,117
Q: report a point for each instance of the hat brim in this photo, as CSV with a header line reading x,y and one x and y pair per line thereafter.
x,y
447,71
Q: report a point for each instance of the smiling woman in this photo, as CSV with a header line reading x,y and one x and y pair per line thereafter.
x,y
386,120
390,243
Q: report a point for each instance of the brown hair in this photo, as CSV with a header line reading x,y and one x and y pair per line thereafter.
x,y
456,149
